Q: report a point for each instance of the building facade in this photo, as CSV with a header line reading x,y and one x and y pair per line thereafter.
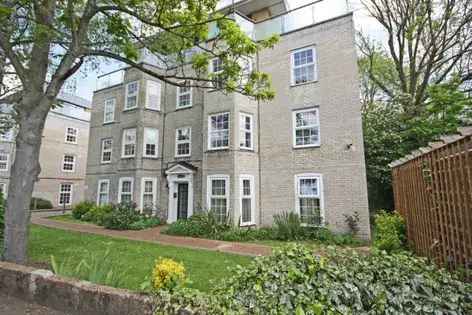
x,y
182,150
63,153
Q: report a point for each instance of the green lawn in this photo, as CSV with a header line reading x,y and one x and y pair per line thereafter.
x,y
134,258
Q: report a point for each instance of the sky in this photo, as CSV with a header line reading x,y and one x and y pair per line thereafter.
x,y
87,80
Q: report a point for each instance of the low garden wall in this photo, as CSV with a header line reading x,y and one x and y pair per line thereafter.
x,y
68,295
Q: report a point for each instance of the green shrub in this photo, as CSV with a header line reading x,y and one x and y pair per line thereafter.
x,y
145,223
288,227
97,214
390,231
40,203
295,281
121,217
203,224
81,208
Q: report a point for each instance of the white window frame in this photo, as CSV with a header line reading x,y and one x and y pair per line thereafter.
x,y
151,85
243,196
320,194
102,151
293,67
179,94
210,131
120,188
60,192
295,128
134,94
214,84
209,187
7,162
76,135
154,190
156,154
243,130
100,182
123,143
177,142
64,163
110,102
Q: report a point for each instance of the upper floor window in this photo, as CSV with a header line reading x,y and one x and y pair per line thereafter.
x,y
109,110
131,100
247,205
304,65
71,135
103,193
245,131
218,131
129,143
8,135
183,141
309,198
306,131
150,143
107,150
125,192
153,95
65,194
216,67
218,195
68,163
4,159
184,95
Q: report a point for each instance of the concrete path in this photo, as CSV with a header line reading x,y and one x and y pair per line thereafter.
x,y
12,306
154,236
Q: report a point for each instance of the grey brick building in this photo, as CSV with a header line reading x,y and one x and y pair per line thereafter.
x,y
63,153
182,149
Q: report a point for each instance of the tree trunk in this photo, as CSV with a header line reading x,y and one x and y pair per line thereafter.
x,y
32,114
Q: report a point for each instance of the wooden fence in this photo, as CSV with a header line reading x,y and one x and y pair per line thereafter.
x,y
433,192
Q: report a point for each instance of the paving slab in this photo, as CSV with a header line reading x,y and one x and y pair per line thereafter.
x,y
10,305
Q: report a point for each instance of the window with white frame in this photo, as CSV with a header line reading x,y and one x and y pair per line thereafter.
x,y
4,160
107,150
218,195
306,131
150,143
71,135
247,205
309,198
183,141
245,131
132,90
65,194
68,163
148,193
153,95
3,189
216,68
304,65
129,143
103,193
8,136
184,95
109,110
125,193
218,131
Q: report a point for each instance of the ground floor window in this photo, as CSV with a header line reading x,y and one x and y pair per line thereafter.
x,y
4,157
125,190
247,205
309,198
3,189
103,195
148,193
218,195
65,194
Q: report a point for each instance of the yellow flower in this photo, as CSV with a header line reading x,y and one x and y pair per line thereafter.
x,y
167,274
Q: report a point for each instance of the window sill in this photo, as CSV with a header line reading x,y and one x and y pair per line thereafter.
x,y
130,109
247,149
249,224
311,146
292,85
109,122
151,157
69,172
105,163
183,156
218,149
75,143
152,109
183,107
127,157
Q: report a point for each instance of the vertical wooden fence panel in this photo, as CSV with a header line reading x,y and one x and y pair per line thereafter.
x,y
433,192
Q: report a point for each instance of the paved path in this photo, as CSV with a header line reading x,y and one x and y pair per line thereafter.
x,y
13,306
153,235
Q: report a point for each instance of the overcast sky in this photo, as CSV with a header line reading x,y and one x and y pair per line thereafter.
x,y
86,83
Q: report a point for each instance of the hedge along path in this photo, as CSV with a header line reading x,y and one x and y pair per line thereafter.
x,y
154,235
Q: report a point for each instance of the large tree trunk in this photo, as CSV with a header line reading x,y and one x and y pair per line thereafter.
x,y
24,173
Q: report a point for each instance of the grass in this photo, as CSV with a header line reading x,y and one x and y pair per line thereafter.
x,y
67,218
135,258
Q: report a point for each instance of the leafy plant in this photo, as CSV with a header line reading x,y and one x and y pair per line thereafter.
x,y
288,226
145,223
352,221
203,224
390,231
168,274
80,209
97,214
121,217
40,203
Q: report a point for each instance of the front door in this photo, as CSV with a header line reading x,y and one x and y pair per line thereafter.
x,y
182,201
